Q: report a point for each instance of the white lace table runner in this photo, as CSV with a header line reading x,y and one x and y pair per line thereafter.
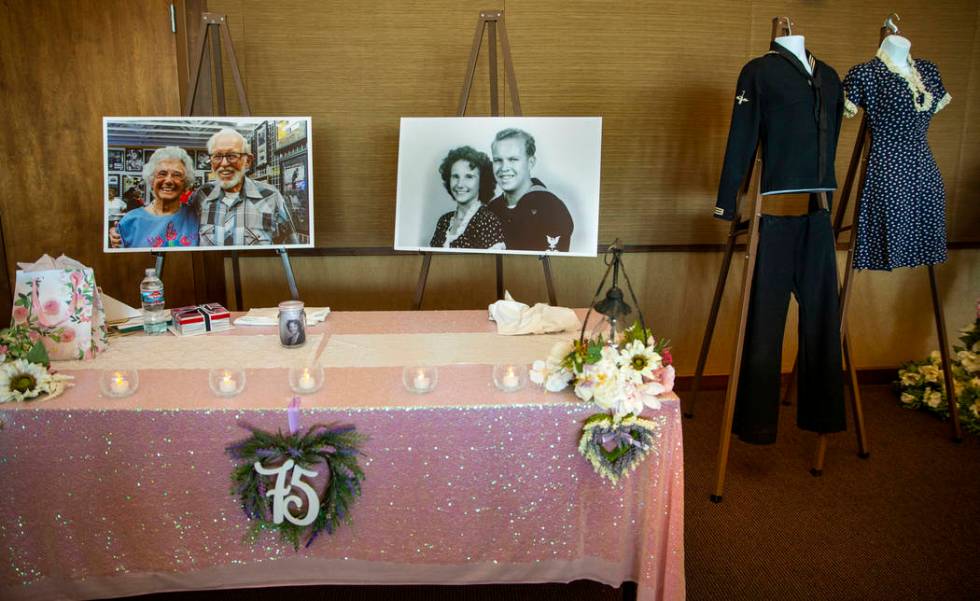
x,y
392,350
198,352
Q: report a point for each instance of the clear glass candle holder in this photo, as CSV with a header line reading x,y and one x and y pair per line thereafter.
x,y
226,382
420,379
306,380
119,383
510,377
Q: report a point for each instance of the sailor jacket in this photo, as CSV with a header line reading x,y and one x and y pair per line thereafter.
x,y
794,115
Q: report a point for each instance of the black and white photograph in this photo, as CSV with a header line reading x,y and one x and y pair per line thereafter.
x,y
176,205
203,160
116,160
134,159
510,185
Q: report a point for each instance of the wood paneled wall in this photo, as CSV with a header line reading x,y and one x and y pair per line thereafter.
x,y
63,65
660,74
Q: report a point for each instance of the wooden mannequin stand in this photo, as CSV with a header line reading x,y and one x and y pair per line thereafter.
x,y
859,162
781,26
215,29
488,21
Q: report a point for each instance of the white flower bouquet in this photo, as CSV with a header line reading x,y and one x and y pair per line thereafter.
x,y
920,384
622,377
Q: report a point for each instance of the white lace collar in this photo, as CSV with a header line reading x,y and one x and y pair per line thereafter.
x,y
912,79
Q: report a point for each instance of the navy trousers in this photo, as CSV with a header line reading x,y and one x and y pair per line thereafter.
x,y
796,255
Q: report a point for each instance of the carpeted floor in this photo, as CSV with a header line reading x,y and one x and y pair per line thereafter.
x,y
901,525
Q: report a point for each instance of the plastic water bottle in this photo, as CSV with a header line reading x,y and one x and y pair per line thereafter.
x,y
151,293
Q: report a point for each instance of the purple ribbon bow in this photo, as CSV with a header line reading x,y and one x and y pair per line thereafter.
x,y
620,437
292,414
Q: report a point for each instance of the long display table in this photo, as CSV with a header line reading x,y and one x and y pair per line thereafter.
x,y
105,497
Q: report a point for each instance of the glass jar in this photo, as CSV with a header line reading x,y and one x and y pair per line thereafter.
x,y
292,324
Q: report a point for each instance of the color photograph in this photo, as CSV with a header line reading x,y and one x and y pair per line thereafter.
x,y
197,189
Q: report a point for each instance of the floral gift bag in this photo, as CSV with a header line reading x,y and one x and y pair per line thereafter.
x,y
59,303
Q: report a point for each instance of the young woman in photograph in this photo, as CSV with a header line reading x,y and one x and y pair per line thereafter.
x,y
467,175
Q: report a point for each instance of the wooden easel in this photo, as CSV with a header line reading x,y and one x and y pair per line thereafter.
x,y
780,26
489,21
215,29
859,158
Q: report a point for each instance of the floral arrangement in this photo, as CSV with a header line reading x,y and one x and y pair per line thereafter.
x,y
920,383
24,373
334,447
622,377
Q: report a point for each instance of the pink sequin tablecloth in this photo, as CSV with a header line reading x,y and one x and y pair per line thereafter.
x,y
106,497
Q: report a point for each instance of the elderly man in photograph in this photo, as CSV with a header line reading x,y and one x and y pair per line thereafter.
x,y
236,210
533,218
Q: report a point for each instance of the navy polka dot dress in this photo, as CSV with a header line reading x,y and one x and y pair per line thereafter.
x,y
902,217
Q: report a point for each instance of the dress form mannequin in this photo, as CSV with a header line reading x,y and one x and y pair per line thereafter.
x,y
897,48
795,44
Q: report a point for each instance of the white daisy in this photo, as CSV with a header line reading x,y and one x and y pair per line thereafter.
x,y
638,361
21,380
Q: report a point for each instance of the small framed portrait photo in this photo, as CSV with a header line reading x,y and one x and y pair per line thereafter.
x,y
115,159
134,159
202,160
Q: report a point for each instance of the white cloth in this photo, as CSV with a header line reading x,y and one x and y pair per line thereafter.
x,y
514,318
270,316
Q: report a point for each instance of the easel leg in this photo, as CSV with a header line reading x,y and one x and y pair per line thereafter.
x,y
709,329
791,384
552,297
423,277
729,412
290,279
954,409
856,407
236,275
158,265
499,262
845,294
817,469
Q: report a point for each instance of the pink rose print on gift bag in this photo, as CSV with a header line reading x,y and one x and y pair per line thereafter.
x,y
20,314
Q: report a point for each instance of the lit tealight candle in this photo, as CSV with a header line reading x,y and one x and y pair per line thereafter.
x,y
227,384
120,385
421,381
510,379
306,381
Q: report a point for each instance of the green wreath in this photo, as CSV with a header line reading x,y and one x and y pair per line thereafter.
x,y
337,447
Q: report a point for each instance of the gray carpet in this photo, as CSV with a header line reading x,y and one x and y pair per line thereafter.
x,y
901,525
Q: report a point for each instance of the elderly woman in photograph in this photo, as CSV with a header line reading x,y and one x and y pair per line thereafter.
x,y
168,221
467,175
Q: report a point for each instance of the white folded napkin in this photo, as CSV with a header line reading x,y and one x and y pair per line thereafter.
x,y
270,316
515,318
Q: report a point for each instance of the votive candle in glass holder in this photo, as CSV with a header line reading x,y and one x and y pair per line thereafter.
x,y
420,379
510,377
226,382
119,382
306,380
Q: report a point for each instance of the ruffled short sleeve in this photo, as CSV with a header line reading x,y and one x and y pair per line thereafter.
x,y
857,90
934,83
